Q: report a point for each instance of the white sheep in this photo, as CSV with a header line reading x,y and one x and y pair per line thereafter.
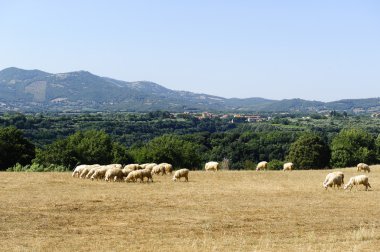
x,y
86,170
146,173
133,167
263,165
92,171
149,166
334,179
115,166
168,167
78,170
157,169
363,167
100,173
113,173
288,166
358,180
133,176
182,173
212,166
126,172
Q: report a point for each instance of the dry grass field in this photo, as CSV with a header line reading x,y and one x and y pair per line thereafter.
x,y
222,211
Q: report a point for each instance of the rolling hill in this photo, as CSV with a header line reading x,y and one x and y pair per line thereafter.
x,y
35,90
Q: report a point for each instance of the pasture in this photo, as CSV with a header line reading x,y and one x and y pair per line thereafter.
x,y
214,211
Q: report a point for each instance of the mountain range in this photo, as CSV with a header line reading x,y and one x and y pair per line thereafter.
x,y
80,91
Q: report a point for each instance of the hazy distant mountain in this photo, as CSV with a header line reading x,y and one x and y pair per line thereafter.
x,y
34,90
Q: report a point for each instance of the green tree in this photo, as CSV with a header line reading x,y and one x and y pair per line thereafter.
x,y
352,146
57,153
120,154
91,146
14,148
169,148
88,147
309,151
377,143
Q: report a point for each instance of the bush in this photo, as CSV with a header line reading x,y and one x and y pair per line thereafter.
x,y
275,164
309,152
249,165
352,146
38,168
14,148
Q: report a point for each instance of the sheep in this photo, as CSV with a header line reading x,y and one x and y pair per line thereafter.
x,y
78,170
358,180
288,166
146,173
363,167
182,173
114,166
92,171
126,172
334,179
168,167
212,166
133,167
86,170
133,176
333,174
149,166
100,173
157,169
263,165
144,165
113,173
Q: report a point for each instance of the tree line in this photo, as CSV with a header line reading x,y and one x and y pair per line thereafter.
x,y
310,144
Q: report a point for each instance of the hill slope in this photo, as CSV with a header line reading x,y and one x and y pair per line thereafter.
x,y
35,90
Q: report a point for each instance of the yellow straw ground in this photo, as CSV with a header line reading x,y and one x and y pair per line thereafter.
x,y
214,211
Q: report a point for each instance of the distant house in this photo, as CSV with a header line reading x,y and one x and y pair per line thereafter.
x,y
246,118
254,118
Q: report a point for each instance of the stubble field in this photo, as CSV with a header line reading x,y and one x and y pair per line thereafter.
x,y
222,211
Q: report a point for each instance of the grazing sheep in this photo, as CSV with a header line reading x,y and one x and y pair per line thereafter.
x,y
182,173
358,180
100,173
168,167
333,179
126,172
146,173
363,167
133,176
212,166
144,165
149,166
133,167
115,166
263,165
157,169
92,171
113,173
288,167
86,170
77,171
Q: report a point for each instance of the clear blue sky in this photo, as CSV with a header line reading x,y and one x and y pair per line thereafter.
x,y
320,50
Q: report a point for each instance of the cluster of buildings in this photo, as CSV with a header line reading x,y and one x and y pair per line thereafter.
x,y
233,118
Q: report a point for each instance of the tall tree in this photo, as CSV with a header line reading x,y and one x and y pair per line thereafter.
x,y
172,149
88,147
14,148
352,146
309,151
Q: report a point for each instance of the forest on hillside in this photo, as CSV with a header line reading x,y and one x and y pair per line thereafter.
x,y
44,142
